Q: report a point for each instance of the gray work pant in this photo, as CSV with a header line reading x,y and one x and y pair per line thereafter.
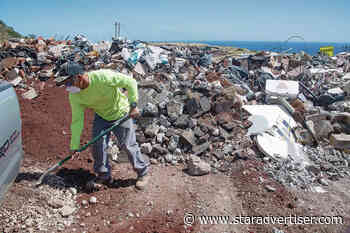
x,y
126,137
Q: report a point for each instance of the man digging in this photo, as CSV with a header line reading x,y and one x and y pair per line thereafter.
x,y
100,91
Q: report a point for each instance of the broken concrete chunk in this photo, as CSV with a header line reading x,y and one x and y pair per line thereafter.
x,y
45,75
173,143
197,150
323,181
219,155
229,126
340,141
67,211
182,122
270,188
223,106
343,117
162,129
146,148
223,133
158,149
215,132
189,137
172,132
169,158
16,81
139,69
84,203
56,203
192,106
197,167
336,91
346,88
228,148
304,136
150,110
160,137
192,123
338,129
205,104
198,132
215,86
323,128
31,94
204,138
310,126
163,120
174,109
162,99
93,200
152,130
313,169
151,84
224,118
140,137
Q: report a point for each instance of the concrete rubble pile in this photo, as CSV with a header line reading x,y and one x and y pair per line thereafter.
x,y
308,147
208,109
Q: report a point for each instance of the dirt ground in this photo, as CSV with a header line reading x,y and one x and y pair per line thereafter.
x,y
171,193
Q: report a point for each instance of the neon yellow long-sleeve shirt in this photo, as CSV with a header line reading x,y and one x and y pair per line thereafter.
x,y
104,97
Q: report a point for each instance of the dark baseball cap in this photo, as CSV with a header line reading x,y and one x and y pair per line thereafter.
x,y
67,71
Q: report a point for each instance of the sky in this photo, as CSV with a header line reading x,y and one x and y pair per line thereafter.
x,y
173,20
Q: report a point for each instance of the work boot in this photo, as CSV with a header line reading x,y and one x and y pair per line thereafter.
x,y
98,182
142,181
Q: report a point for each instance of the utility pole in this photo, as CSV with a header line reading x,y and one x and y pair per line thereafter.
x,y
116,30
119,30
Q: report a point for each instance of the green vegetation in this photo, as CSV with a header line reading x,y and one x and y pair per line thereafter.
x,y
7,32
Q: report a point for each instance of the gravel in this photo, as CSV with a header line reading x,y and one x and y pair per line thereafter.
x,y
326,164
48,208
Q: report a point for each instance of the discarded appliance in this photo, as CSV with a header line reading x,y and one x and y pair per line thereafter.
x,y
283,88
273,129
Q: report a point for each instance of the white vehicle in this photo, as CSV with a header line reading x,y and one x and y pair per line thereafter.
x,y
11,151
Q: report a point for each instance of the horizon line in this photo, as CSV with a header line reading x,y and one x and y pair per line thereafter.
x,y
275,41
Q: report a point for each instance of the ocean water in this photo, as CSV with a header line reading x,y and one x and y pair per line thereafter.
x,y
309,47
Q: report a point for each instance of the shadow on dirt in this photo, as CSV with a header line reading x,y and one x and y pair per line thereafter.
x,y
67,178
27,176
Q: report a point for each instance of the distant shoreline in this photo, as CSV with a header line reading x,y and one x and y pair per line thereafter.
x,y
248,41
274,46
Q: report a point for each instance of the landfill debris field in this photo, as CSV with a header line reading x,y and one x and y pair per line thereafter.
x,y
228,132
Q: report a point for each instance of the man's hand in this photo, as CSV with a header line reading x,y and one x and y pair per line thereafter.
x,y
134,113
75,154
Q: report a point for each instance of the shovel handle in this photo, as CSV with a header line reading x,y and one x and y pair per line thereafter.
x,y
104,132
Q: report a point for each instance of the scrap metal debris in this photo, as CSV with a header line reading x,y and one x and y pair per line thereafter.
x,y
199,101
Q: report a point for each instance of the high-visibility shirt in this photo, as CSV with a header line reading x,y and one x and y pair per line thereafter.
x,y
103,95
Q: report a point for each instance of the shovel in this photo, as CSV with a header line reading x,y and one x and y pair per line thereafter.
x,y
104,132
